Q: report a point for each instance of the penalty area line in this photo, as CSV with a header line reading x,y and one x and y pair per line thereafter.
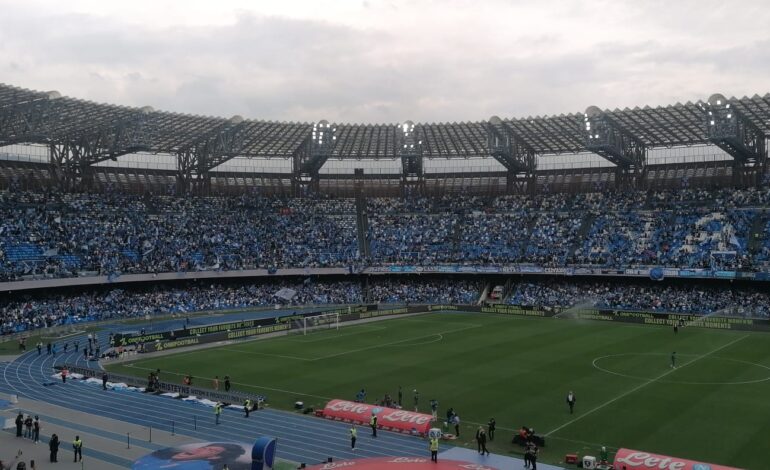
x,y
258,353
641,386
326,336
392,343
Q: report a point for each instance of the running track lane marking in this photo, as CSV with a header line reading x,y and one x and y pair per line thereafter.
x,y
639,387
282,417
303,448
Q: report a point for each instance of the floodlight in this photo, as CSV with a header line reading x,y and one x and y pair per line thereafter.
x,y
718,99
729,116
712,123
592,111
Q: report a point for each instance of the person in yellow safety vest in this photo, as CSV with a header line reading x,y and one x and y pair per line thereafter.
x,y
247,406
217,411
434,449
77,447
353,436
373,424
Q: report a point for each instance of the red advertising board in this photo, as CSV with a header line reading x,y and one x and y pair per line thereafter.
x,y
635,459
401,463
390,419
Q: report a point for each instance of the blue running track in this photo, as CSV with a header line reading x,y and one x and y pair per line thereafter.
x,y
300,438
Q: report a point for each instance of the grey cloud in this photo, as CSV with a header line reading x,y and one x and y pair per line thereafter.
x,y
288,69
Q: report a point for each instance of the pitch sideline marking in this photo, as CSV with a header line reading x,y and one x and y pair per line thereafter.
x,y
592,444
641,386
243,384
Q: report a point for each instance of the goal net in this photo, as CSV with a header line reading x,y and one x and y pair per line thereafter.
x,y
325,321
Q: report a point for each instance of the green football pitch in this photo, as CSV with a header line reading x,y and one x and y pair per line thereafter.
x,y
714,406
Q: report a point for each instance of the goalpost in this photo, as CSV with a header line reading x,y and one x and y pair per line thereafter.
x,y
324,321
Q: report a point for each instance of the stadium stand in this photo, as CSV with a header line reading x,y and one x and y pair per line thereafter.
x,y
72,216
685,299
65,234
29,312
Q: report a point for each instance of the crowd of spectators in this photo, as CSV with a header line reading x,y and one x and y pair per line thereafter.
x,y
22,314
32,312
689,228
36,312
673,298
69,234
59,235
412,238
445,291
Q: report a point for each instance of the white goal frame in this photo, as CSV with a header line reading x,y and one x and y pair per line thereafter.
x,y
324,321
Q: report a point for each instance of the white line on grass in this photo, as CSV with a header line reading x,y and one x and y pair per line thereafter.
x,y
241,384
474,424
375,346
330,356
335,336
438,337
243,351
639,387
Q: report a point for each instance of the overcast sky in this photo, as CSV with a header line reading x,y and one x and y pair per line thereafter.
x,y
386,61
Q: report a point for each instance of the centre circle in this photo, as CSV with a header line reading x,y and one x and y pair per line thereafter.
x,y
596,364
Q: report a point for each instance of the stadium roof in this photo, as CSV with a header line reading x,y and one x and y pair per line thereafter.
x,y
28,116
